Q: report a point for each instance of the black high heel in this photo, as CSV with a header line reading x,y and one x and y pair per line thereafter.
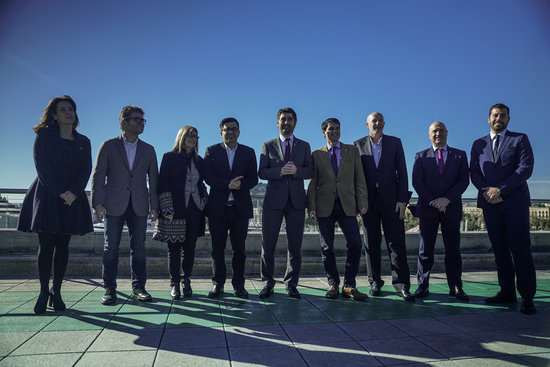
x,y
56,301
40,306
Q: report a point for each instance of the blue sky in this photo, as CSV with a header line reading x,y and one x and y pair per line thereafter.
x,y
196,62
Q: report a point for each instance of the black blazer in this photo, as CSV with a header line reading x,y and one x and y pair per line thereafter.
x,y
430,184
172,178
218,175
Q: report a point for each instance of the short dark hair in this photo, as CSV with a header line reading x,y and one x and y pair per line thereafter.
x,y
287,110
47,117
126,111
325,123
500,106
228,120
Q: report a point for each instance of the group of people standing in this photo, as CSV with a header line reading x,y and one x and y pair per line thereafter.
x,y
367,178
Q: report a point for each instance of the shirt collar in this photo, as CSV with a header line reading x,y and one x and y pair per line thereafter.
x,y
379,141
501,133
229,149
127,142
283,138
337,146
444,148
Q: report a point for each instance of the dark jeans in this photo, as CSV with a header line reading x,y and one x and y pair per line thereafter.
x,y
271,225
181,255
237,227
53,246
137,226
350,228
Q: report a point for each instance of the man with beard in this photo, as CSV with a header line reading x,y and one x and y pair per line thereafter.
x,y
500,165
285,162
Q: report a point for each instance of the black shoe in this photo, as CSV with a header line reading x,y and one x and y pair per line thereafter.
x,y
406,295
109,297
175,291
187,291
422,291
56,301
240,292
41,302
501,298
141,295
375,289
458,292
528,306
293,292
216,291
266,292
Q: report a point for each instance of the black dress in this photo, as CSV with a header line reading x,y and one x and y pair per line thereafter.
x,y
62,165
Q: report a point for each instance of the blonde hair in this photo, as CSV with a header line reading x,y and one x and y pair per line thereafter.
x,y
180,138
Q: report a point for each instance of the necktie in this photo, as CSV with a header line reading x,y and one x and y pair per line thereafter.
x,y
440,163
333,160
287,150
495,147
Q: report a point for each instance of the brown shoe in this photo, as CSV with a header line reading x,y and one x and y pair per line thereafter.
x,y
332,292
350,292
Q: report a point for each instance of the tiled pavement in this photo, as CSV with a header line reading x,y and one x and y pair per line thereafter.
x,y
311,331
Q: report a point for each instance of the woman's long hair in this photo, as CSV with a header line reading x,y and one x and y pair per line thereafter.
x,y
184,132
47,118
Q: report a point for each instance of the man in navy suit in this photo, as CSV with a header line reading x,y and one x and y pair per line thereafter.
x,y
385,171
440,177
285,162
230,171
500,165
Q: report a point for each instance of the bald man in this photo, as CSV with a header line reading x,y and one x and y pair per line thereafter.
x,y
440,177
385,171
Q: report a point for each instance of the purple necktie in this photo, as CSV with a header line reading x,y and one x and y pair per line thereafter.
x,y
440,163
287,150
333,160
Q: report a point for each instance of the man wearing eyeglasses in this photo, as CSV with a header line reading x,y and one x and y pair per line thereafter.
x,y
230,171
120,195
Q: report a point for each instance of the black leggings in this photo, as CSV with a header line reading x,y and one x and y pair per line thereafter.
x,y
52,246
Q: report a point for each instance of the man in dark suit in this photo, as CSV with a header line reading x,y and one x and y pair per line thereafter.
x,y
285,162
387,183
120,195
337,193
230,171
440,177
500,165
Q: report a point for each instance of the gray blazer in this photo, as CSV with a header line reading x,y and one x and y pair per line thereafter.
x,y
278,187
114,183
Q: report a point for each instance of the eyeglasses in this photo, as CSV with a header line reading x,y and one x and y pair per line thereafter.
x,y
230,129
138,120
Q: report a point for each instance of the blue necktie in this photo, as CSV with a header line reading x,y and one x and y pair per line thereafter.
x,y
333,160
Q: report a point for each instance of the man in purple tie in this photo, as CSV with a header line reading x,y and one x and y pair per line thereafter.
x,y
440,177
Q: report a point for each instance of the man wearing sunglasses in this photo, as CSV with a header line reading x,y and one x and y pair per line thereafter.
x,y
120,195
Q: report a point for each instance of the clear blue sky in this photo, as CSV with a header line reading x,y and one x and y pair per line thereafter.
x,y
196,62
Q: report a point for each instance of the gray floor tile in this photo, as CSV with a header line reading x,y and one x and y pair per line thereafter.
x,y
41,360
538,359
127,340
117,359
457,346
10,341
400,350
516,341
184,338
470,323
422,326
314,333
211,357
278,356
517,320
376,329
58,342
496,361
248,336
334,354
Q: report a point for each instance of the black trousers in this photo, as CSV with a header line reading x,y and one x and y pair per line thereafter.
x,y
237,227
394,233
53,247
181,255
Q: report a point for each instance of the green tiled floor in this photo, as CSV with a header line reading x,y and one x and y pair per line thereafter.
x,y
311,331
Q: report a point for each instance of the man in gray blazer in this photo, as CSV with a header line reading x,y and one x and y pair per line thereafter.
x,y
285,162
120,195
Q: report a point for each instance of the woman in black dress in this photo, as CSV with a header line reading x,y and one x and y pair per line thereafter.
x,y
182,196
56,205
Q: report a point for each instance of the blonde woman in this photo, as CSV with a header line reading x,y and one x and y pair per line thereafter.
x,y
182,196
